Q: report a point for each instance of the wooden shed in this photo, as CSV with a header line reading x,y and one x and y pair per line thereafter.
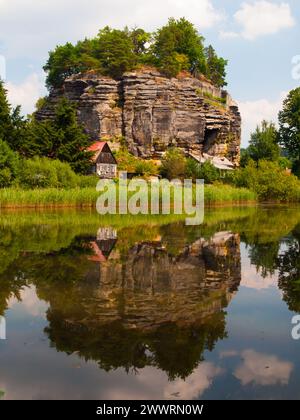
x,y
104,162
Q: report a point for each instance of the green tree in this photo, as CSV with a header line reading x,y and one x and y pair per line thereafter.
x,y
177,39
289,121
12,123
70,142
115,51
264,143
62,62
5,114
215,67
206,171
9,165
62,138
140,39
173,164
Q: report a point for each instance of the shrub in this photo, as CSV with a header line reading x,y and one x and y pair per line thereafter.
x,y
126,161
39,173
269,181
66,177
205,171
146,168
9,165
129,163
173,164
193,169
47,173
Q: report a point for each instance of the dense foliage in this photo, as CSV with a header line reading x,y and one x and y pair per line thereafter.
x,y
173,164
131,164
268,180
263,144
173,48
9,165
60,138
289,120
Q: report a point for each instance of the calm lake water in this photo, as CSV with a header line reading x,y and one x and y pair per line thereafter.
x,y
145,309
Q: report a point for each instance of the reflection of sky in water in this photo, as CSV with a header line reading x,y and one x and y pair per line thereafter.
x,y
258,359
251,358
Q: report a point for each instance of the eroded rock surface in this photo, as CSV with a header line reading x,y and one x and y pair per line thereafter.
x,y
153,113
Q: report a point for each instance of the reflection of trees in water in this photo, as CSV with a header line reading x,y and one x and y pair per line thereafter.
x,y
264,257
282,256
175,349
157,302
144,307
289,272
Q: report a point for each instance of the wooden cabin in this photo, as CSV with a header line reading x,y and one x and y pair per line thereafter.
x,y
104,162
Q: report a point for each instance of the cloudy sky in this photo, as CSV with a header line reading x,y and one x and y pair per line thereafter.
x,y
259,37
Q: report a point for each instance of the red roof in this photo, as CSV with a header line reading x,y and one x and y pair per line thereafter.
x,y
97,147
98,257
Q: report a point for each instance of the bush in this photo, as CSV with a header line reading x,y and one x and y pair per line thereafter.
x,y
126,161
47,173
38,173
9,165
269,181
129,163
87,181
205,171
146,168
173,164
66,177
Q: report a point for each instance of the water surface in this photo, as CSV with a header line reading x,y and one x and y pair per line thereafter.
x,y
142,309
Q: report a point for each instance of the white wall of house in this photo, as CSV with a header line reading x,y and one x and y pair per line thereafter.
x,y
106,170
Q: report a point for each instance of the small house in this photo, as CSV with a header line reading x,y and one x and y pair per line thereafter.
x,y
104,162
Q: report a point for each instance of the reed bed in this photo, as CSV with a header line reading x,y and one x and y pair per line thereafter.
x,y
87,197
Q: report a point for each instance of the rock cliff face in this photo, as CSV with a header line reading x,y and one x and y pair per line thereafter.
x,y
153,113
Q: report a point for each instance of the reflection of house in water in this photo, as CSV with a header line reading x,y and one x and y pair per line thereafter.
x,y
103,244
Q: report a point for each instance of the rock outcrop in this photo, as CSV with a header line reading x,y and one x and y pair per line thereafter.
x,y
152,113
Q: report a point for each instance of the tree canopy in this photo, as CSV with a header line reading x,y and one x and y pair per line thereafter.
x,y
289,120
175,47
263,144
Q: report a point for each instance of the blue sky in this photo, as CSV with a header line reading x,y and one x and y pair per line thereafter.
x,y
259,37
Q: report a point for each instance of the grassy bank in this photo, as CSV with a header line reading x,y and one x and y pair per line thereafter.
x,y
87,197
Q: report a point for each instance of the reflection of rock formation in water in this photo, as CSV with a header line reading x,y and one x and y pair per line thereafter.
x,y
150,308
155,287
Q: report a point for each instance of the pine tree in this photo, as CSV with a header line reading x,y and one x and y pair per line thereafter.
x,y
6,126
70,143
216,67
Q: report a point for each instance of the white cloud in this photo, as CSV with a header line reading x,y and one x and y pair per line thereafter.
x,y
152,383
263,369
229,35
30,302
195,385
261,18
253,112
26,93
41,25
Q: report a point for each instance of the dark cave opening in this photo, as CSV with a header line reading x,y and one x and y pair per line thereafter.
x,y
210,138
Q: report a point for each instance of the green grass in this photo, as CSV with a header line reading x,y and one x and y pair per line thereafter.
x,y
215,194
87,197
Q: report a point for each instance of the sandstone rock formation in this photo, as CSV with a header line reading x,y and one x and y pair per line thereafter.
x,y
152,113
